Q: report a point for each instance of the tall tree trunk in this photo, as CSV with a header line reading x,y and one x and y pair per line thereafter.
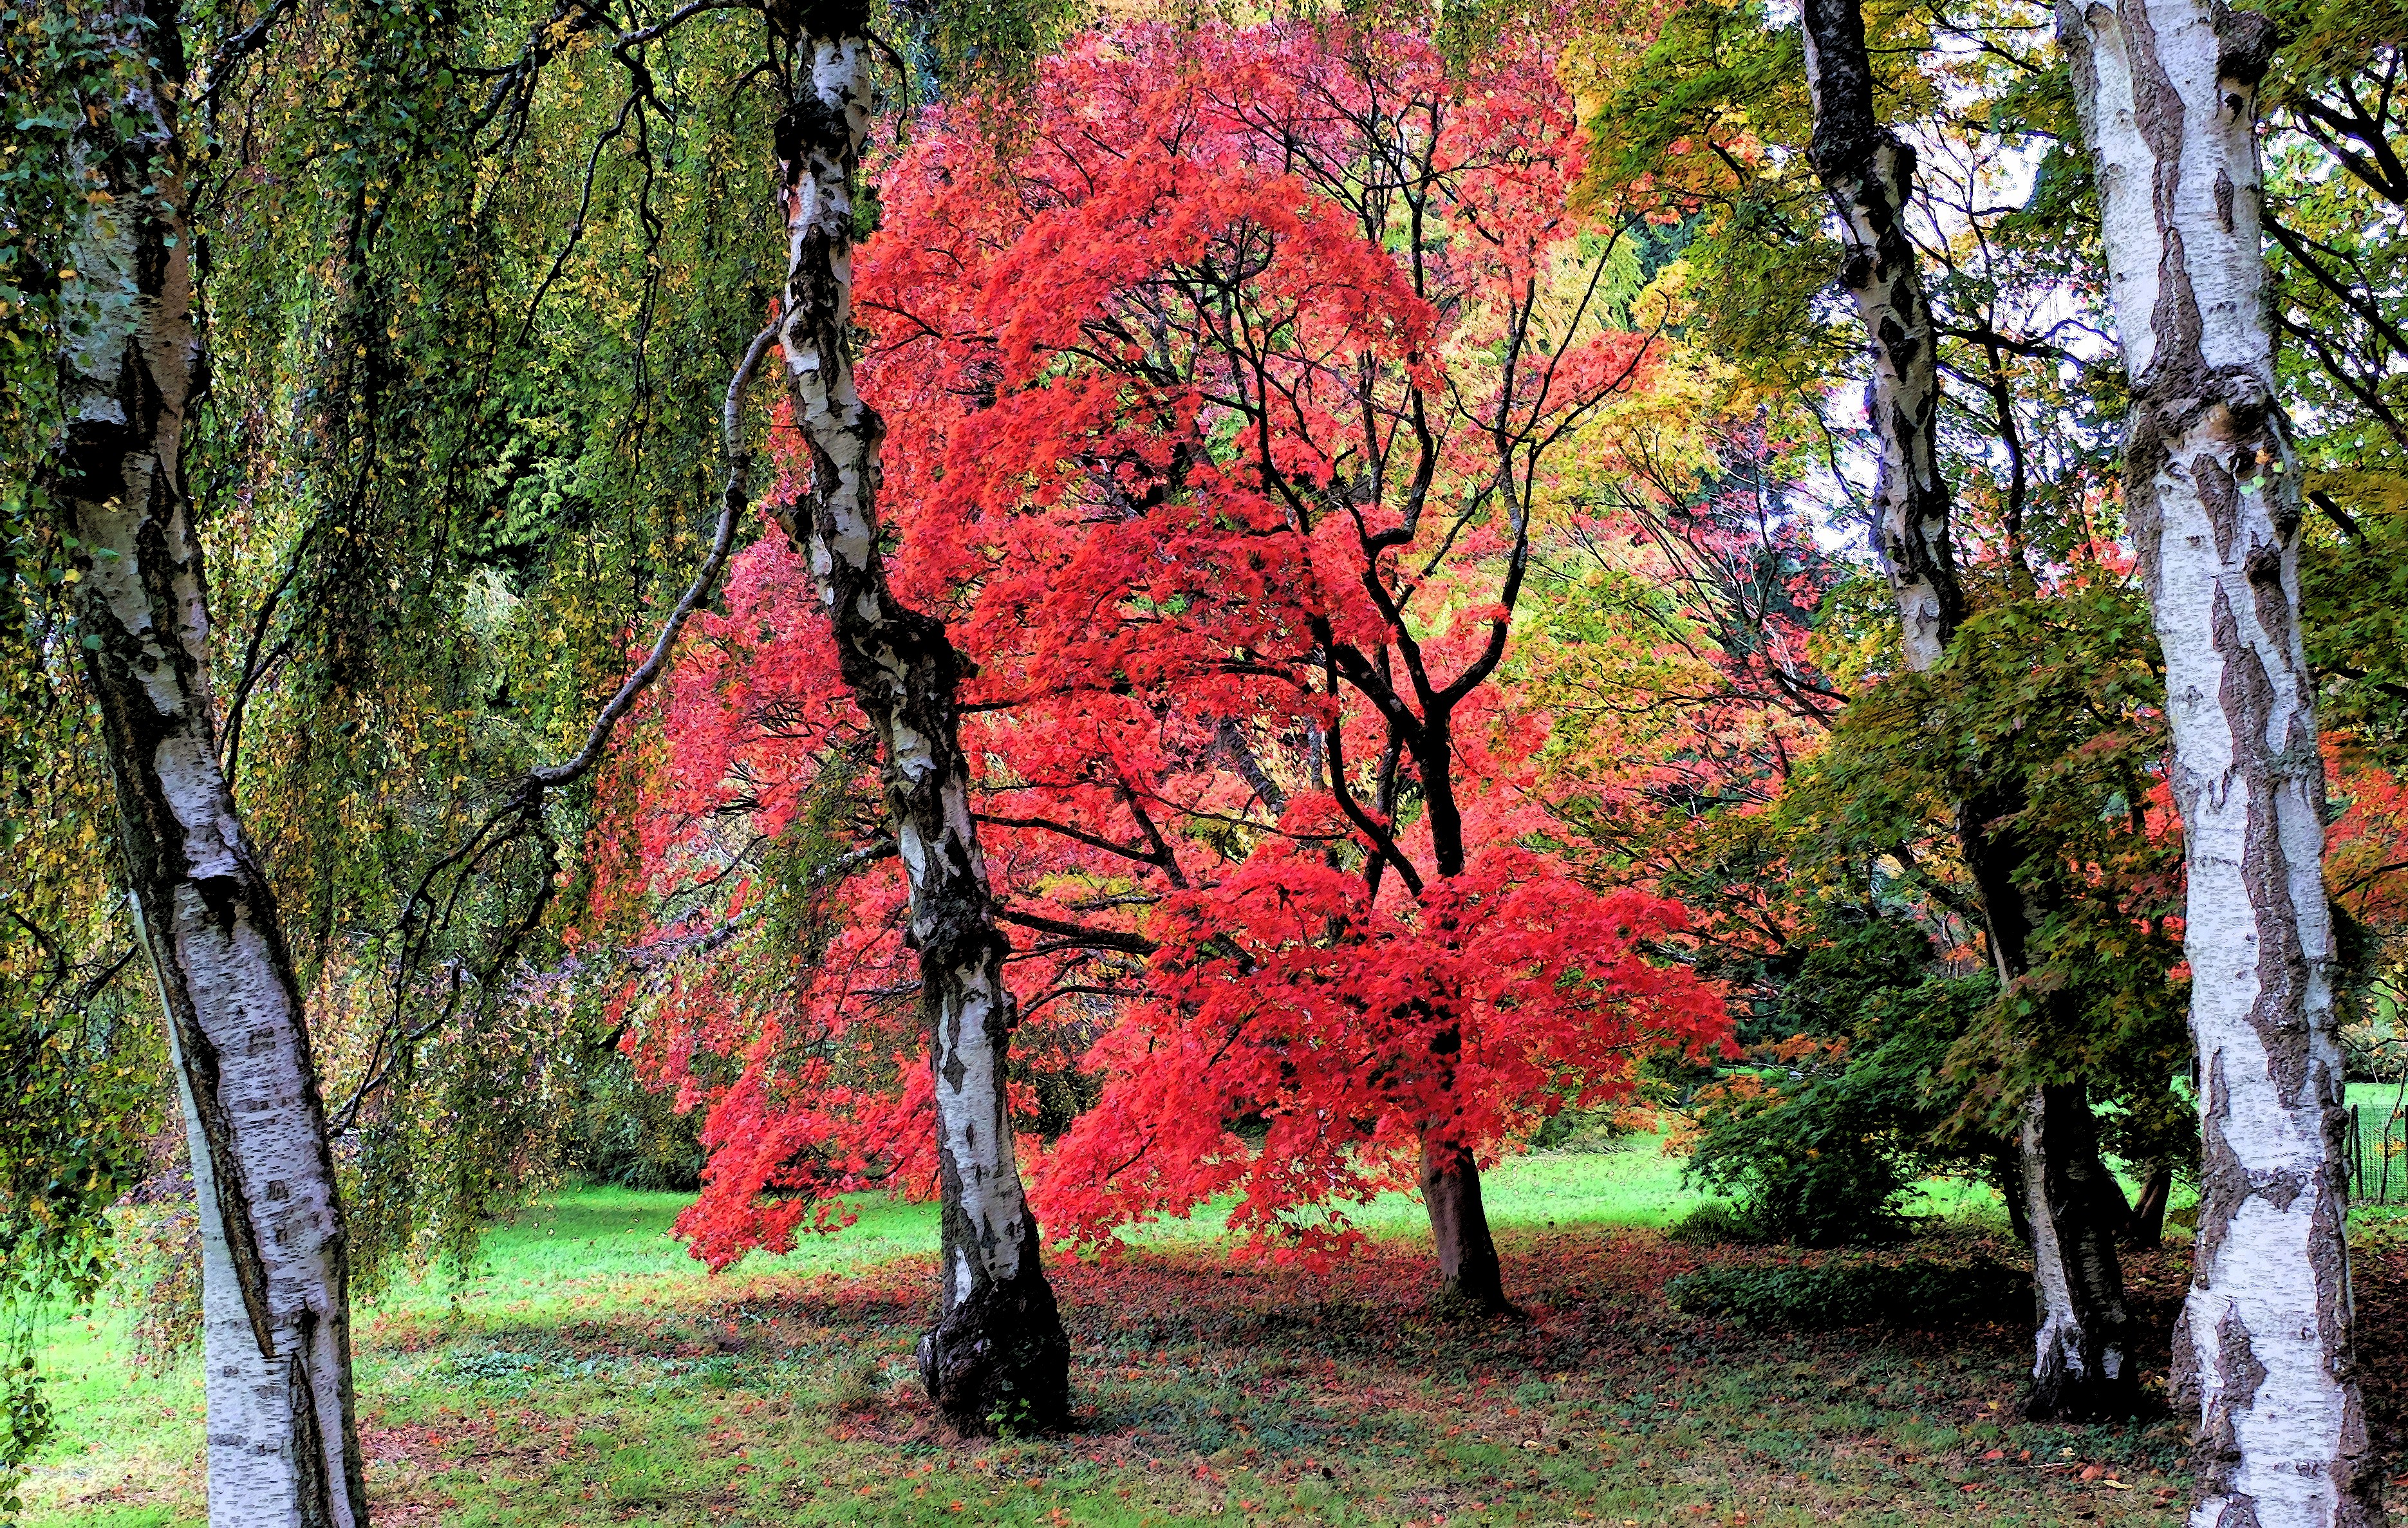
x,y
2167,92
2081,1363
1870,175
282,1448
998,1352
2079,1367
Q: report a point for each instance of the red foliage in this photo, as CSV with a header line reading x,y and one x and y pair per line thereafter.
x,y
1226,409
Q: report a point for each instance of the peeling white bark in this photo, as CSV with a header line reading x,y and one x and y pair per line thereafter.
x,y
2167,92
282,1449
998,1346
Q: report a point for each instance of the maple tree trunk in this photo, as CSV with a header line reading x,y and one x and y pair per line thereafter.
x,y
2079,1367
282,1446
1469,1276
2008,1165
2167,94
1468,1272
997,1354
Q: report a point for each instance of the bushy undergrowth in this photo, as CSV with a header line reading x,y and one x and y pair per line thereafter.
x,y
1821,1297
1717,1222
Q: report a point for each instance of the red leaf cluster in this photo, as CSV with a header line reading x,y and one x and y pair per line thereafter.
x,y
1223,397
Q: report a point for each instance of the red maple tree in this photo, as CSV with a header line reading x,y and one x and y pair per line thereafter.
x,y
1231,394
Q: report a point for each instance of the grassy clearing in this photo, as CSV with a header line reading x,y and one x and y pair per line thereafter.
x,y
591,1374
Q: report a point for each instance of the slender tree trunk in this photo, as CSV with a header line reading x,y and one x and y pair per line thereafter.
x,y
2167,92
282,1448
997,1353
2147,1225
1869,174
2007,1164
2079,1367
1471,1275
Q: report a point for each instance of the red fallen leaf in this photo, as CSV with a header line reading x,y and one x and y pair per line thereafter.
x,y
2093,1472
1996,1453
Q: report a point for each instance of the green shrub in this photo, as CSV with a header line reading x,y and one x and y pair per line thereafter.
x,y
1821,1139
1809,1160
1716,1222
1858,1293
621,1132
1591,1130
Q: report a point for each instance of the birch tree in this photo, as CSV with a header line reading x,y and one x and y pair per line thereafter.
x,y
282,1445
998,1352
2080,1366
2167,94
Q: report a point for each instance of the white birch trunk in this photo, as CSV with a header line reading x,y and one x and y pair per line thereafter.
x,y
2079,1365
998,1352
2166,91
282,1449
1869,174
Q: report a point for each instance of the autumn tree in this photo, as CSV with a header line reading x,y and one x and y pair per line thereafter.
x,y
1229,405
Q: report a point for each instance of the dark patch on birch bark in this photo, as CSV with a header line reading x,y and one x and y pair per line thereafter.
x,y
308,1444
2220,1444
2280,1013
2222,498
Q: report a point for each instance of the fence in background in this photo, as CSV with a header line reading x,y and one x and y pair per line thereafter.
x,y
2376,1153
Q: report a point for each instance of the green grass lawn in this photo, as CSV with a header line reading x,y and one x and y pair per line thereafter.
x,y
2382,1121
591,1373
